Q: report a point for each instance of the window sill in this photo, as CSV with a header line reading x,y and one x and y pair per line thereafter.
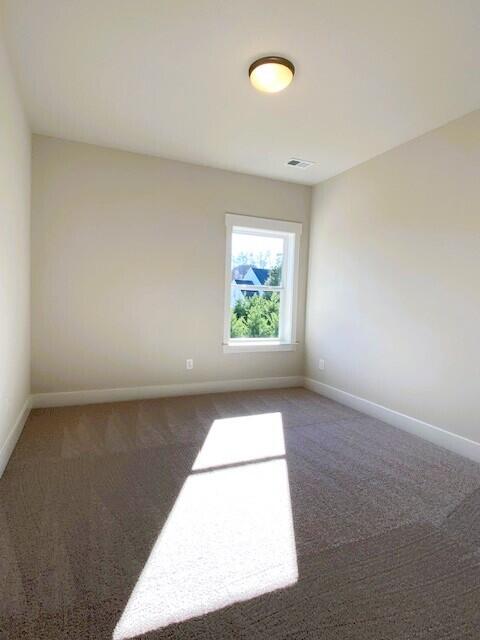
x,y
258,345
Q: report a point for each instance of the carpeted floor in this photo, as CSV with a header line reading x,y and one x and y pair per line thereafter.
x,y
253,515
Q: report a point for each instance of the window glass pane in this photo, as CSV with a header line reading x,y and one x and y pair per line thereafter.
x,y
254,314
257,259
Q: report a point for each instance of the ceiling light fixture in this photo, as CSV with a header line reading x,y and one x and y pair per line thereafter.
x,y
271,74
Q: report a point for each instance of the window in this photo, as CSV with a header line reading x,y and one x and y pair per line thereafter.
x,y
260,284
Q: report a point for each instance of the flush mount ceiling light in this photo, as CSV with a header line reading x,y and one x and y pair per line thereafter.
x,y
271,74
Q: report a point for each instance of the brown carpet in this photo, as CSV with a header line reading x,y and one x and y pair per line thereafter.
x,y
316,523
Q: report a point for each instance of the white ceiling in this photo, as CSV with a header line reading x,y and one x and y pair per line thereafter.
x,y
169,77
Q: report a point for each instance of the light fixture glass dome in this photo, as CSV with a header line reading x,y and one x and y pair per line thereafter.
x,y
271,74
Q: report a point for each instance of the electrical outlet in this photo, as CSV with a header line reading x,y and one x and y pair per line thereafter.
x,y
321,364
189,363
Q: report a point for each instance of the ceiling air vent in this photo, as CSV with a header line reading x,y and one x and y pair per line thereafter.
x,y
299,164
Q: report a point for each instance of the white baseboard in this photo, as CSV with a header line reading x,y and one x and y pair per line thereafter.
x,y
12,438
446,439
95,396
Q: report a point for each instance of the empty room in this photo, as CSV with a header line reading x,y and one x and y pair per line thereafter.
x,y
239,320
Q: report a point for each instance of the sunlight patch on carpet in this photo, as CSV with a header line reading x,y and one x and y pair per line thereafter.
x,y
237,440
229,536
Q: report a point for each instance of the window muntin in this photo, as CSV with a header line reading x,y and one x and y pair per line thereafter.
x,y
262,264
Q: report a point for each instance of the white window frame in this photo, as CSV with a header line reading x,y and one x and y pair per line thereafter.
x,y
290,232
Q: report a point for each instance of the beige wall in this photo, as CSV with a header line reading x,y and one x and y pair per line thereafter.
x,y
14,255
394,279
128,273
128,256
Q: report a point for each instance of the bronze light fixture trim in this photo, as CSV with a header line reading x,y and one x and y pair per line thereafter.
x,y
271,73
